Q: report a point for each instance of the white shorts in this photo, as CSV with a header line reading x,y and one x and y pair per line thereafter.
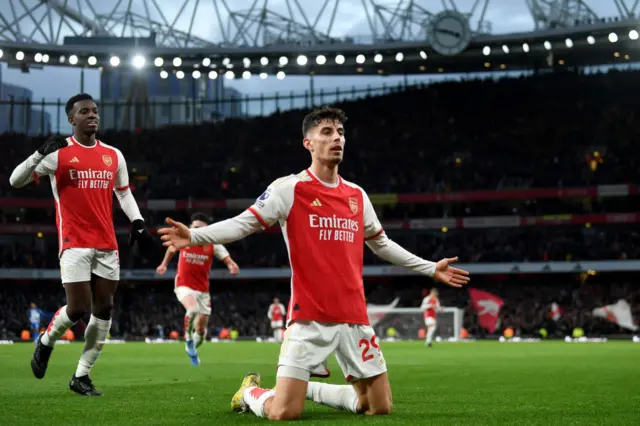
x,y
430,322
308,344
277,324
77,264
203,299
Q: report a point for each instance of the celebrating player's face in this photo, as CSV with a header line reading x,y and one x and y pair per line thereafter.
x,y
84,116
326,142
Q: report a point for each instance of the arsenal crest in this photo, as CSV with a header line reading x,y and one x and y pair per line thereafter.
x,y
353,203
107,160
206,249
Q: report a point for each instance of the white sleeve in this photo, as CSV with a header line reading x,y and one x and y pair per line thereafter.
x,y
123,192
390,251
220,252
372,226
425,303
270,311
35,166
273,205
284,311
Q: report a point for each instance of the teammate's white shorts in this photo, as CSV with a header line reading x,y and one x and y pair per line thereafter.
x,y
77,264
276,324
430,321
308,344
202,298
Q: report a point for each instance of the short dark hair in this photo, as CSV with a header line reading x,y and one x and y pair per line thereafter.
x,y
76,98
314,118
201,217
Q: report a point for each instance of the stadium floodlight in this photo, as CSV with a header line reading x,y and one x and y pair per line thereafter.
x,y
264,61
229,75
246,62
20,55
283,61
213,75
246,75
302,60
633,35
158,62
340,59
569,43
226,61
62,59
177,62
423,54
591,40
321,59
505,49
263,75
180,74
547,45
378,58
486,51
613,37
164,74
399,56
114,61
196,74
206,62
45,58
73,59
281,75
37,57
138,61
1,53
360,59
525,47
92,60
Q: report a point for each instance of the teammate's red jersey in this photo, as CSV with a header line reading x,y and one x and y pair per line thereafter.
x,y
325,227
194,266
83,180
276,312
430,305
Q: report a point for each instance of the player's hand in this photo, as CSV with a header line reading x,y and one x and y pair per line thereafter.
x,y
52,145
177,236
233,267
160,270
449,275
139,234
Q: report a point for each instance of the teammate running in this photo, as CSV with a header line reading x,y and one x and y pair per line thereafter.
x,y
325,222
431,307
192,285
84,173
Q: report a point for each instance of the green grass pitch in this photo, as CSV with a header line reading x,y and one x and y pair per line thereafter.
x,y
458,384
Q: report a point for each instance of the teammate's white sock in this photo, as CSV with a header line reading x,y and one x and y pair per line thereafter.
x,y
277,334
342,397
255,398
94,337
189,320
199,338
430,331
59,324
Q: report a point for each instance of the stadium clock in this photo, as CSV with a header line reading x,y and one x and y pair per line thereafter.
x,y
449,32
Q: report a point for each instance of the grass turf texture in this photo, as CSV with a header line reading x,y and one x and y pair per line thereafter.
x,y
465,383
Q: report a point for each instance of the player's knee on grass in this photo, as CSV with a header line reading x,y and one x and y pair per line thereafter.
x,y
282,412
374,395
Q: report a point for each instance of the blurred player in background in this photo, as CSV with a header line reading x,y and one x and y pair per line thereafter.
x,y
325,221
276,315
192,285
84,174
431,307
35,316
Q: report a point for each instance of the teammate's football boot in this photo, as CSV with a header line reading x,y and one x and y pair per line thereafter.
x,y
237,402
191,350
40,358
83,386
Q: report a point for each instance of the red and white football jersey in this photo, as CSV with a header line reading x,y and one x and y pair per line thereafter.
x,y
324,227
194,266
276,312
430,305
83,180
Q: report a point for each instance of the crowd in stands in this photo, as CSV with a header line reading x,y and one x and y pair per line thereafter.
x,y
150,309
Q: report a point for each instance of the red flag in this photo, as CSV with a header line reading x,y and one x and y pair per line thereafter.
x,y
487,306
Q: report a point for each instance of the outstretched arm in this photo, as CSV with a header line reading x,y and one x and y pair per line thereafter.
x,y
393,253
168,255
223,255
226,231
